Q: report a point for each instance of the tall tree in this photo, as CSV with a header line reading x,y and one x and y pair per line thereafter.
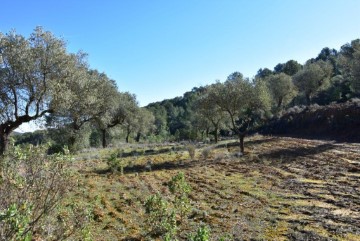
x,y
207,108
119,108
291,67
145,122
33,71
88,98
243,101
263,73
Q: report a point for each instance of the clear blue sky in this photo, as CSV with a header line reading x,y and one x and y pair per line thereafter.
x,y
160,49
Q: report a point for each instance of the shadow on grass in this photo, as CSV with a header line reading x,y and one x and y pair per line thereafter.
x,y
246,143
169,165
298,152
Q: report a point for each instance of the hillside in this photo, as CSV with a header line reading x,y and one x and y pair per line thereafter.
x,y
338,122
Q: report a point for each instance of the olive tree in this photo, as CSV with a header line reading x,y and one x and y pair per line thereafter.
x,y
205,106
33,71
245,103
281,88
88,98
120,106
146,123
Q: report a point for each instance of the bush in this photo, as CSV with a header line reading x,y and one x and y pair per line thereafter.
x,y
206,152
202,234
180,189
191,149
160,220
32,186
115,162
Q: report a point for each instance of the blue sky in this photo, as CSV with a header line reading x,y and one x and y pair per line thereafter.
x,y
160,49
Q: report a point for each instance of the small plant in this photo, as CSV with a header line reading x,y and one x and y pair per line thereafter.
x,y
115,162
206,152
160,220
202,234
191,150
181,189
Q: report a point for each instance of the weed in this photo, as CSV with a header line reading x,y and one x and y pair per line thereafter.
x,y
191,150
181,189
202,234
160,221
206,152
115,162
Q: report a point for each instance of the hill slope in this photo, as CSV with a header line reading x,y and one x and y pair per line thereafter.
x,y
340,122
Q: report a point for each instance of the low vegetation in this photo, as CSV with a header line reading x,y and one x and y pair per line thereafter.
x,y
281,189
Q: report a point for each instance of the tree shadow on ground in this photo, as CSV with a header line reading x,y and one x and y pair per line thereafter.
x,y
252,142
298,151
139,168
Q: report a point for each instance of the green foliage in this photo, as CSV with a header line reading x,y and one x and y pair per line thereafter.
x,y
162,215
180,189
115,162
281,88
160,219
312,78
33,186
15,222
202,234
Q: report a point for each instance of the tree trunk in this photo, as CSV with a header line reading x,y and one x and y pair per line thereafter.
x,y
104,144
241,138
127,136
216,134
4,141
72,141
138,135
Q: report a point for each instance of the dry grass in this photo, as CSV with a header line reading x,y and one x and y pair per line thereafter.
x,y
277,191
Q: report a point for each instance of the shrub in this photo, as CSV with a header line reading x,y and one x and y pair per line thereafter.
x,y
180,189
115,162
32,186
206,152
191,149
202,234
160,220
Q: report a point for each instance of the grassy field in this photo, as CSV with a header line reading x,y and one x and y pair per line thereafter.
x,y
281,189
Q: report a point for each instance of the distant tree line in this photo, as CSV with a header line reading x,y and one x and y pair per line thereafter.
x,y
241,104
83,107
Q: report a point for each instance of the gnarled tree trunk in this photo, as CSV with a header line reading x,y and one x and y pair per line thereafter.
x,y
4,142
104,144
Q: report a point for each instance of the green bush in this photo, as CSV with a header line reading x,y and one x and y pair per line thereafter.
x,y
202,234
161,221
33,186
115,162
180,189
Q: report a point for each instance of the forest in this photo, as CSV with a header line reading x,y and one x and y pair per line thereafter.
x,y
82,111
